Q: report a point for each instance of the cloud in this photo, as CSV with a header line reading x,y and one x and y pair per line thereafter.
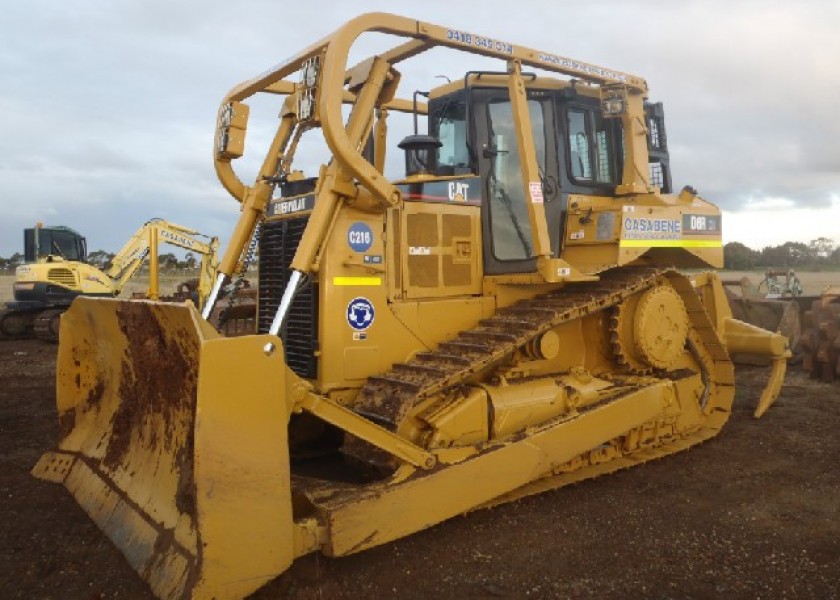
x,y
769,203
109,107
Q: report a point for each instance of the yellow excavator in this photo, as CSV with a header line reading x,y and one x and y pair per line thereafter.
x,y
56,271
506,319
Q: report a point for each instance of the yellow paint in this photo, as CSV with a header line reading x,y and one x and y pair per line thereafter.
x,y
362,281
671,243
236,499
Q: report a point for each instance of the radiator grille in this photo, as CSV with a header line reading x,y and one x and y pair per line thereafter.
x,y
278,243
63,277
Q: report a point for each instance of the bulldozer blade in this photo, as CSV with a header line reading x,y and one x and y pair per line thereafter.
x,y
159,443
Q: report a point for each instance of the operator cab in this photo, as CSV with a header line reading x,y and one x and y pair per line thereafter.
x,y
578,151
53,242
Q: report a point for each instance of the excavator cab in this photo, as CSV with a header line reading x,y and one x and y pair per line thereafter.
x,y
48,242
503,320
46,283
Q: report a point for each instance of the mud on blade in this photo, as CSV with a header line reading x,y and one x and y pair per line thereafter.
x,y
159,447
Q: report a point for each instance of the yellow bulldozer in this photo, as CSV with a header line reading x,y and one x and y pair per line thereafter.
x,y
506,319
56,271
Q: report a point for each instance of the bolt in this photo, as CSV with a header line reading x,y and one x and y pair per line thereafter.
x,y
268,349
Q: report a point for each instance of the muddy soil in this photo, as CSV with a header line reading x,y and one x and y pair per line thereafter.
x,y
753,513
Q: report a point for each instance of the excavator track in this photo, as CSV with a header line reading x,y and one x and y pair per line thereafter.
x,y
46,324
15,324
388,398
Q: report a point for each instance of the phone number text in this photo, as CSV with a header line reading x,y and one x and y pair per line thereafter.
x,y
478,41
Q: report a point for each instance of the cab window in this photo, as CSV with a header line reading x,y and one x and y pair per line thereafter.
x,y
590,147
61,243
453,157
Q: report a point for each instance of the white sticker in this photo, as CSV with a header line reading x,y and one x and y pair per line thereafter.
x,y
563,271
535,188
419,250
577,235
628,208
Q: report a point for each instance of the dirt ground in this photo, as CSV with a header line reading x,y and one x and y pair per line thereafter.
x,y
755,513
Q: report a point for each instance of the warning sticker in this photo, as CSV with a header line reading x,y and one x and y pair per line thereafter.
x,y
536,191
360,313
419,250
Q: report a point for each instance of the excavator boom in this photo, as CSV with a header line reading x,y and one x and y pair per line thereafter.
x,y
144,244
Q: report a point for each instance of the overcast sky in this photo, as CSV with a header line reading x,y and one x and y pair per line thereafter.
x,y
108,106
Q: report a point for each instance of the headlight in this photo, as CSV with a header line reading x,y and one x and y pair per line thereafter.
x,y
24,286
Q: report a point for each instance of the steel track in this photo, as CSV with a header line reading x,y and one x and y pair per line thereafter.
x,y
389,397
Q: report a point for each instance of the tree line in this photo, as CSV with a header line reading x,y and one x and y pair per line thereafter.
x,y
817,254
102,260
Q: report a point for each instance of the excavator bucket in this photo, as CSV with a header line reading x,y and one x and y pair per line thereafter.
x,y
187,475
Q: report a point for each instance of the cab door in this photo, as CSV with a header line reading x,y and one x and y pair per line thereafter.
x,y
506,228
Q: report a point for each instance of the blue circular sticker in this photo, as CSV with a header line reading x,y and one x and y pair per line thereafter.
x,y
360,313
360,237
